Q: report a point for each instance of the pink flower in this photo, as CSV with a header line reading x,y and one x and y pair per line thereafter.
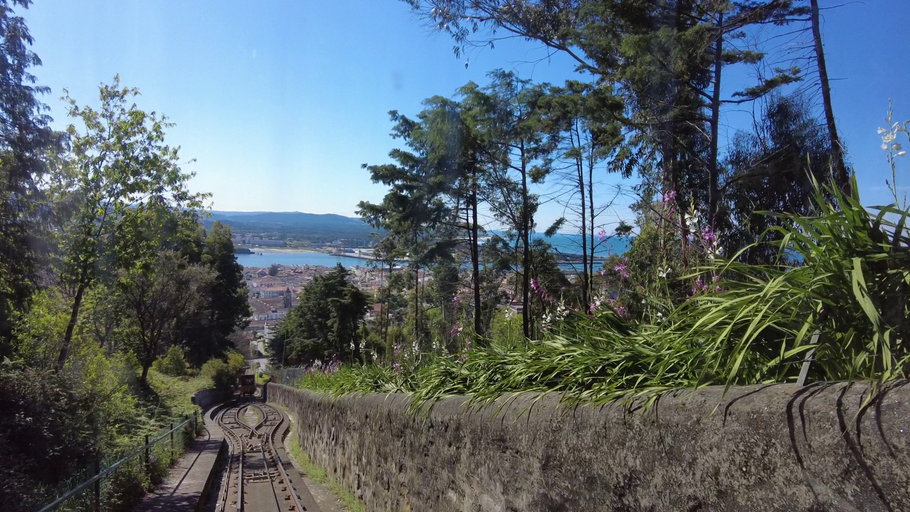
x,y
623,270
708,237
535,286
668,201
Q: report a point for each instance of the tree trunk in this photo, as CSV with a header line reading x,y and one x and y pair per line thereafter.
x,y
841,175
358,353
590,272
417,303
388,297
526,257
145,373
70,327
475,256
585,276
715,122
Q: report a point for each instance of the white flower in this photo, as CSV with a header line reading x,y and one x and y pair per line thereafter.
x,y
901,153
888,138
896,146
885,147
881,130
663,272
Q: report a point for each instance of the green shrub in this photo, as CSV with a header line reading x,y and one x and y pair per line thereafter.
x,y
172,363
127,486
224,373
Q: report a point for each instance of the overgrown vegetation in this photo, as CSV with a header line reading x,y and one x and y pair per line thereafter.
x,y
104,268
112,293
843,273
743,260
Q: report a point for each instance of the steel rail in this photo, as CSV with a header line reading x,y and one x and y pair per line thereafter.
x,y
232,422
235,441
278,461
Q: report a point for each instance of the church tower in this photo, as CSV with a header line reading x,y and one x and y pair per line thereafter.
x,y
288,303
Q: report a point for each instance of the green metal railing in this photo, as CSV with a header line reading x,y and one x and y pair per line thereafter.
x,y
95,492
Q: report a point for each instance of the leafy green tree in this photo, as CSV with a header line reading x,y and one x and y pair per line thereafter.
x,y
228,307
773,169
24,140
580,120
508,116
325,324
664,57
413,210
119,162
387,252
103,318
273,270
157,297
457,156
224,371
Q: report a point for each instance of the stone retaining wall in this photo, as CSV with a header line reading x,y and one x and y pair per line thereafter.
x,y
207,398
759,448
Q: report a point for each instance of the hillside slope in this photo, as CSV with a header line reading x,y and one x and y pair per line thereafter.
x,y
305,227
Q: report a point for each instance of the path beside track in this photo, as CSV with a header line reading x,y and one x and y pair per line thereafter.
x,y
188,480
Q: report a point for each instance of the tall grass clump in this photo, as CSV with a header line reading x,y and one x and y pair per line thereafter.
x,y
850,284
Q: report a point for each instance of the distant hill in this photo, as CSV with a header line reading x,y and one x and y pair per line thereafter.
x,y
309,227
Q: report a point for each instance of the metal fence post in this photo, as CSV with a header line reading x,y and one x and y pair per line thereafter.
x,y
810,358
172,441
97,485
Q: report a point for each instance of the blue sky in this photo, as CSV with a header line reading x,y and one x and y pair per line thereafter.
x,y
280,102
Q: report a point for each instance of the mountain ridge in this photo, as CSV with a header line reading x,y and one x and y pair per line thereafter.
x,y
312,227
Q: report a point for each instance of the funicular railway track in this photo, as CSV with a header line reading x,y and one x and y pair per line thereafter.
x,y
255,478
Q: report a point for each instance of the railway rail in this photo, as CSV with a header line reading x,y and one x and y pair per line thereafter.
x,y
255,478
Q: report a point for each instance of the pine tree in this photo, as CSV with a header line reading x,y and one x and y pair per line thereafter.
x,y
24,139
